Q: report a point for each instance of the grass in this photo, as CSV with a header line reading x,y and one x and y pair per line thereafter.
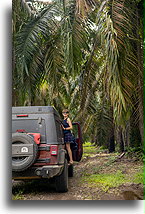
x,y
108,174
138,178
18,196
90,149
105,181
88,152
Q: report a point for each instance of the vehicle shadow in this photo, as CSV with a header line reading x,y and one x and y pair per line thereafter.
x,y
33,186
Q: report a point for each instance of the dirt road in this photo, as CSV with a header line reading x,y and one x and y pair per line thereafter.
x,y
83,186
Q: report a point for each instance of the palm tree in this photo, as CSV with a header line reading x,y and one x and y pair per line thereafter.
x,y
84,53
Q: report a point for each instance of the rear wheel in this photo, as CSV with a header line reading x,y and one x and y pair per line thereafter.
x,y
61,181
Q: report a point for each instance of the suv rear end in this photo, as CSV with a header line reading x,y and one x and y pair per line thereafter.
x,y
38,149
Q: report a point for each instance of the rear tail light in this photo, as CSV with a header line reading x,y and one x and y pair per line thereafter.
x,y
54,150
22,115
21,130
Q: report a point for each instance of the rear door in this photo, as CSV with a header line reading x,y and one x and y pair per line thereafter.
x,y
77,150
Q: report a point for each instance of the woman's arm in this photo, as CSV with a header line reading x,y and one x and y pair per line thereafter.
x,y
70,124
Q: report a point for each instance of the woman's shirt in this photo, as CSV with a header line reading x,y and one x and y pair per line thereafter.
x,y
66,125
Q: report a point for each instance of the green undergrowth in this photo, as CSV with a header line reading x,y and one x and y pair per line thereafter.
x,y
90,149
18,195
138,177
107,181
104,181
136,153
106,173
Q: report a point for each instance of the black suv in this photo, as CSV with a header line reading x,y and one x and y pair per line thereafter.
x,y
38,149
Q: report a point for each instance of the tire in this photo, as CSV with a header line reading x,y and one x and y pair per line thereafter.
x,y
23,162
61,181
71,171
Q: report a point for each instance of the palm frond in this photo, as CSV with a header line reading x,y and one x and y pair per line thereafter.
x,y
74,39
83,7
114,27
32,36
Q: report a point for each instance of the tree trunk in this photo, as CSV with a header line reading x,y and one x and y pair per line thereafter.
x,y
141,71
112,130
121,141
119,138
112,144
141,122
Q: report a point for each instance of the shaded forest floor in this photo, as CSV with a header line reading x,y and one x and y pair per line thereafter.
x,y
98,176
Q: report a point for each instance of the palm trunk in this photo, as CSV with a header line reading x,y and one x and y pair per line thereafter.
x,y
119,138
140,80
112,143
111,136
141,122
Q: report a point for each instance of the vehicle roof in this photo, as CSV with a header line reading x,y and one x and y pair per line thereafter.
x,y
34,110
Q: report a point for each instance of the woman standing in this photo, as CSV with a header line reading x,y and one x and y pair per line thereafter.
x,y
67,126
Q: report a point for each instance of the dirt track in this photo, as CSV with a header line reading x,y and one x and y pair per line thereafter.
x,y
78,190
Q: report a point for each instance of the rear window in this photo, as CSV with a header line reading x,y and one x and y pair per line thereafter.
x,y
30,126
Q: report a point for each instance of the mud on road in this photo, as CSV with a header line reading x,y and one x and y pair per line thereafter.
x,y
81,188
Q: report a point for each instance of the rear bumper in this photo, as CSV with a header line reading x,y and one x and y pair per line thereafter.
x,y
39,172
49,171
